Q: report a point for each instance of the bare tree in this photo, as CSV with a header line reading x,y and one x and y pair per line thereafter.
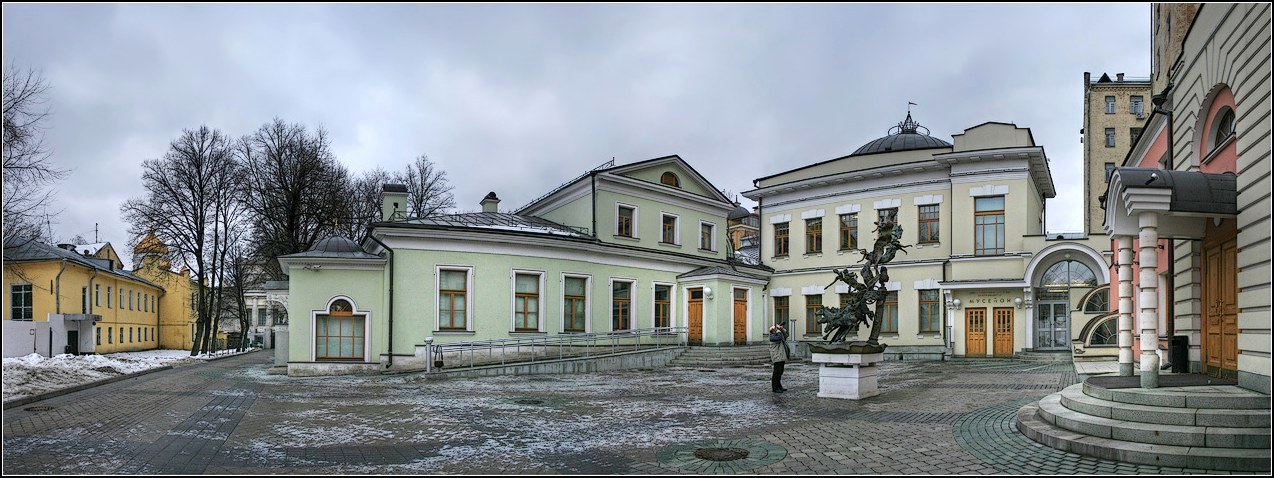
x,y
190,204
297,189
428,192
28,170
363,203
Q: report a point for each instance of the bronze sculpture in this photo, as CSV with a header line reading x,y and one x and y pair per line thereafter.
x,y
841,322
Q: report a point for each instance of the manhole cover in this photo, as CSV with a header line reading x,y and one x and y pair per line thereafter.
x,y
38,408
528,401
707,370
721,454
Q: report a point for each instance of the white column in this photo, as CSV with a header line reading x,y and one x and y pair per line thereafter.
x,y
1125,305
1148,298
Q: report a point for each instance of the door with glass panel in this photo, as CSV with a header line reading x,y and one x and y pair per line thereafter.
x,y
1052,325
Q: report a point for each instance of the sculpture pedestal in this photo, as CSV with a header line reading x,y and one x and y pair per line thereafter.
x,y
848,375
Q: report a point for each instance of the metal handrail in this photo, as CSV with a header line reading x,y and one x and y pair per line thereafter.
x,y
566,345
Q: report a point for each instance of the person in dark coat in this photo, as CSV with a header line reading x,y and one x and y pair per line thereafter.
x,y
779,354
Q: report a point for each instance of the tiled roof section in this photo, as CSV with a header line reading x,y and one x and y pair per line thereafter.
x,y
1192,191
750,255
718,270
28,250
500,221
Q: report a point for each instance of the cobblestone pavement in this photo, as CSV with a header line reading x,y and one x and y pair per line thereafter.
x,y
230,417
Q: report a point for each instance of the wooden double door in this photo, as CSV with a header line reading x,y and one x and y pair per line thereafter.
x,y
1220,308
975,332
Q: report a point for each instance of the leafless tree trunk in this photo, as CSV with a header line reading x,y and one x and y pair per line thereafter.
x,y
297,189
28,170
428,192
191,196
363,203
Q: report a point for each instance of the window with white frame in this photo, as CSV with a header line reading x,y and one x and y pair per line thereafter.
x,y
20,302
625,220
1110,137
1136,105
1110,105
707,236
453,294
526,302
621,308
663,305
575,304
108,296
668,229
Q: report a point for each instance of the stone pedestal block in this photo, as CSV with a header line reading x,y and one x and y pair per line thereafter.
x,y
848,376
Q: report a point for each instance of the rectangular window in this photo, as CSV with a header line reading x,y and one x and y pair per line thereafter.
x,y
1110,105
780,240
1135,105
146,302
526,302
706,231
890,215
97,295
848,231
1110,169
110,335
844,300
988,226
1134,133
812,303
338,337
929,318
624,223
668,229
1110,137
130,301
663,306
121,298
814,235
621,307
20,298
928,231
84,300
574,300
97,331
108,297
780,310
130,335
889,324
260,315
452,292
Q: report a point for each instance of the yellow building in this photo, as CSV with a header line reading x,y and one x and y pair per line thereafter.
x,y
177,305
61,301
1115,113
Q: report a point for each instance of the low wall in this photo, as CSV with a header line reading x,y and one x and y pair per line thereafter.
x,y
318,369
654,358
19,339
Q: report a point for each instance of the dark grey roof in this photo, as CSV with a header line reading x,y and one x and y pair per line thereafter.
x,y
901,142
336,247
725,271
739,212
501,221
275,285
394,188
29,250
1192,191
750,255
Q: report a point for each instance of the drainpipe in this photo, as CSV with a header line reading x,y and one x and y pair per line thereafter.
x,y
92,296
593,178
57,290
391,297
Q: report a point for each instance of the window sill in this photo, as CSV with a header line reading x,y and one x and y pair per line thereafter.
x,y
669,244
710,251
779,257
454,332
813,254
1217,150
526,332
626,238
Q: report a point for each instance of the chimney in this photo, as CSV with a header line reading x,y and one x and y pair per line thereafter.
x,y
490,202
393,202
1119,77
69,247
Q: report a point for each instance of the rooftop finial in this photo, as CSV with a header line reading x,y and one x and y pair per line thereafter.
x,y
909,126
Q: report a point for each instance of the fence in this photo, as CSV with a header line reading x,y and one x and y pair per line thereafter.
x,y
549,347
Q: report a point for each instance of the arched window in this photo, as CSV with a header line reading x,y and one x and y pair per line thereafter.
x,y
1222,127
340,307
1098,301
670,179
1105,333
1069,273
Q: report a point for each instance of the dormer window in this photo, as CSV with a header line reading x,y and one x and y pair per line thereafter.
x,y
670,179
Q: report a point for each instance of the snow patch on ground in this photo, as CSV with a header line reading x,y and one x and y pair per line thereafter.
x,y
35,374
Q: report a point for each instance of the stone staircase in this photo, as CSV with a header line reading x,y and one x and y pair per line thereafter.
x,y
1037,356
1213,427
726,356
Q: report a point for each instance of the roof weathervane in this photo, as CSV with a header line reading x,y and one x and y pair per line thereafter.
x,y
909,126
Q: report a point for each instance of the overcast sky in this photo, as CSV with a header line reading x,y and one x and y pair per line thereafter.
x,y
517,99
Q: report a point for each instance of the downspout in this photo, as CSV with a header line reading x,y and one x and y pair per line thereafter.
x,y
593,178
391,297
90,291
57,290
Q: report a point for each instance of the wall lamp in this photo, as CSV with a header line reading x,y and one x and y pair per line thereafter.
x,y
707,292
1017,302
956,303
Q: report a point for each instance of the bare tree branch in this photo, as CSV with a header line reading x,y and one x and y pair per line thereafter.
x,y
428,192
28,169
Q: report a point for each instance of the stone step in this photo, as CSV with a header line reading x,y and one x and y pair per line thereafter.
x,y
1033,356
1053,412
1074,398
1031,424
1209,397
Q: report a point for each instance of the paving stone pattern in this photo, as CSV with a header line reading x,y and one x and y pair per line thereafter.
x,y
230,417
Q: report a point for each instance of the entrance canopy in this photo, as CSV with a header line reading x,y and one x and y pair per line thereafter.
x,y
1181,199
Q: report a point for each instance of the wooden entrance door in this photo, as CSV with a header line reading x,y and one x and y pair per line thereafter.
x,y
1003,332
695,314
975,332
1220,309
740,316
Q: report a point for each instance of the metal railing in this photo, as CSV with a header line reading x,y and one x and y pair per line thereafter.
x,y
515,350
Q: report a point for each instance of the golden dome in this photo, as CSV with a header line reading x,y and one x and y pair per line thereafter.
x,y
150,245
